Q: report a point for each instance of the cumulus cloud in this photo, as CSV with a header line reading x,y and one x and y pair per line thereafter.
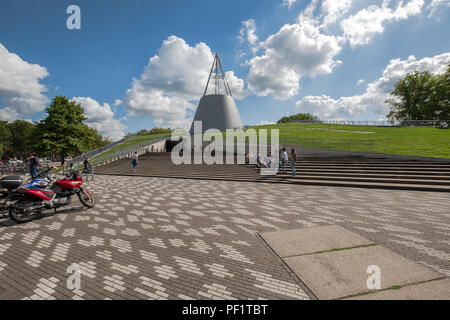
x,y
308,48
333,10
361,27
360,82
20,87
172,81
296,50
237,86
118,102
372,100
101,118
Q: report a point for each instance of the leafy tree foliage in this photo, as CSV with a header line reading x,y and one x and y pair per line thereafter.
x,y
5,137
299,116
22,133
421,96
152,131
63,131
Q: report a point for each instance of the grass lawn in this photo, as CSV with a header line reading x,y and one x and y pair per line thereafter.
x,y
128,143
429,142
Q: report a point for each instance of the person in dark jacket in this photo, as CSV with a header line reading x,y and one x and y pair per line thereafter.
x,y
34,162
86,165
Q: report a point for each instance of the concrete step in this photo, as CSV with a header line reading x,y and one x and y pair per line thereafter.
x,y
358,167
363,171
372,175
424,180
363,179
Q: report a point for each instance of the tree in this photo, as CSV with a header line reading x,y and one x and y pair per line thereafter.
x,y
21,135
440,97
63,131
421,96
145,132
159,131
5,137
299,116
99,141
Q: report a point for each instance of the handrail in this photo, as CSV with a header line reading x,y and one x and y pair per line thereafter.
x,y
118,154
387,123
97,151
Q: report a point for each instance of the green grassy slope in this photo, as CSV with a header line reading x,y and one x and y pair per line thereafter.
x,y
430,142
128,143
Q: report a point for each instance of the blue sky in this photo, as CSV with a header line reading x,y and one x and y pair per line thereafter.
x,y
337,59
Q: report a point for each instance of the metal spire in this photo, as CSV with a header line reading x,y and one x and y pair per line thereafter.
x,y
217,76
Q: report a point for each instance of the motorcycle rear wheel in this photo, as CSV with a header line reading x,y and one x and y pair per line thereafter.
x,y
86,199
18,213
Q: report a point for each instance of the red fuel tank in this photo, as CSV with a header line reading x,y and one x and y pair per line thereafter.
x,y
69,184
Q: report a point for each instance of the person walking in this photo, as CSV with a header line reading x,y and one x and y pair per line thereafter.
x,y
293,160
284,159
34,162
86,165
134,161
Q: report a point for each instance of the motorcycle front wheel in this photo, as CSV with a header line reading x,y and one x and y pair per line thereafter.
x,y
86,199
21,212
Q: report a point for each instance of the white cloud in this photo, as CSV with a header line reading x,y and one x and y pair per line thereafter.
x,y
118,102
360,82
248,32
179,69
372,100
167,110
101,118
296,50
435,5
237,86
20,86
333,10
172,81
361,27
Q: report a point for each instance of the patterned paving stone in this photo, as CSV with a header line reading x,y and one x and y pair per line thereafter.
x,y
156,238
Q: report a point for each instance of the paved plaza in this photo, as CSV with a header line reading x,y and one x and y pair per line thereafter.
x,y
160,238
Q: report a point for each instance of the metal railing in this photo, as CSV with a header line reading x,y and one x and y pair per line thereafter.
x,y
387,123
106,157
95,152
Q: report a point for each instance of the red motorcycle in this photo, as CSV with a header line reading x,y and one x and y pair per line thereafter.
x,y
38,196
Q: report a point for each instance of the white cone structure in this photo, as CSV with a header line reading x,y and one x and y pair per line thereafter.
x,y
217,110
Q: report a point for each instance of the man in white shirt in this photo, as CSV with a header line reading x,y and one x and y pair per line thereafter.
x,y
284,159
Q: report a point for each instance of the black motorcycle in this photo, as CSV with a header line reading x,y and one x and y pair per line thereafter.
x,y
8,194
9,191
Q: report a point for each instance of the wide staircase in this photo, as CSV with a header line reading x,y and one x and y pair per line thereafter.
x,y
337,171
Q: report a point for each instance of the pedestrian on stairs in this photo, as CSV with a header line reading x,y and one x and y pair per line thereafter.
x,y
134,161
293,160
284,159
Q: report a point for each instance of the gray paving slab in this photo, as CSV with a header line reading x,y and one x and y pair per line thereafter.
x,y
308,240
433,290
340,274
